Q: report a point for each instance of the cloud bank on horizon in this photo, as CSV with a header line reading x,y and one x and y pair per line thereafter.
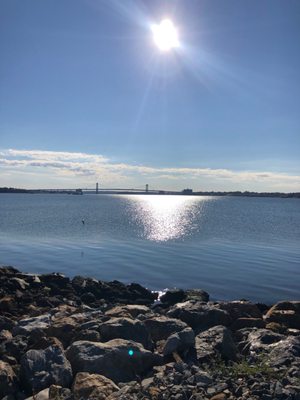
x,y
59,169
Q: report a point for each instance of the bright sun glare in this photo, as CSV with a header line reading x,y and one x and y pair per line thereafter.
x,y
165,35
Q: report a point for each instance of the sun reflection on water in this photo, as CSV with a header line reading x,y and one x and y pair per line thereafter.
x,y
165,217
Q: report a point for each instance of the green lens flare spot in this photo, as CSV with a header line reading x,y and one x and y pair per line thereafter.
x,y
130,352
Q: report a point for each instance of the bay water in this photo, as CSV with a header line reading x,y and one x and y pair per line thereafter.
x,y
232,247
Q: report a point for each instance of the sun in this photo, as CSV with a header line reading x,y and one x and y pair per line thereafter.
x,y
165,35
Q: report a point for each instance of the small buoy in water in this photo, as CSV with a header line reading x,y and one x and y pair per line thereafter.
x,y
82,221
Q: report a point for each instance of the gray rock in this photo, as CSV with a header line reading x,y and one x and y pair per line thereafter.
x,y
129,311
8,380
259,340
203,378
173,296
27,325
5,335
92,387
126,328
21,284
65,323
286,313
112,359
241,309
90,335
179,342
199,315
242,323
64,328
278,350
146,383
160,328
42,368
197,294
42,395
216,340
59,393
285,351
6,323
14,347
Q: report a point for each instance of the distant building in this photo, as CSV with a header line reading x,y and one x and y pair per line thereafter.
x,y
147,188
187,191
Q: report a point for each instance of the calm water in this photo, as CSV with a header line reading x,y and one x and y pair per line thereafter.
x,y
231,247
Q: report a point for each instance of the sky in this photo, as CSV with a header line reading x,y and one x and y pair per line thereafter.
x,y
86,96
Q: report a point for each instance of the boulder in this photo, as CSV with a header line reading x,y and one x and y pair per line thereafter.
x,y
173,296
6,323
286,313
160,328
92,387
83,285
59,393
278,350
242,323
114,292
203,378
126,328
197,295
8,380
42,368
8,270
88,334
65,326
5,335
214,341
199,315
41,342
219,396
93,324
63,310
58,283
129,311
27,325
241,309
120,360
42,395
179,342
88,298
141,295
20,284
8,304
285,352
14,347
259,340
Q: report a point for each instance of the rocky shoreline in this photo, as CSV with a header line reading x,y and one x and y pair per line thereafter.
x,y
81,338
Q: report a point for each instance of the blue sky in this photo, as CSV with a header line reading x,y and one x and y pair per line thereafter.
x,y
85,94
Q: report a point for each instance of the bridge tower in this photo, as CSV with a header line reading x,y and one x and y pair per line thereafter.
x,y
97,188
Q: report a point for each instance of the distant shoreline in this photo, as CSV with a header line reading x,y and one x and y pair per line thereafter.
x,y
185,192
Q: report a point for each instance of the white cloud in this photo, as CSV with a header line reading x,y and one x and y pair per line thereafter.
x,y
81,168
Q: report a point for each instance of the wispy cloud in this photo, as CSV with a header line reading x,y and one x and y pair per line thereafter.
x,y
94,166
